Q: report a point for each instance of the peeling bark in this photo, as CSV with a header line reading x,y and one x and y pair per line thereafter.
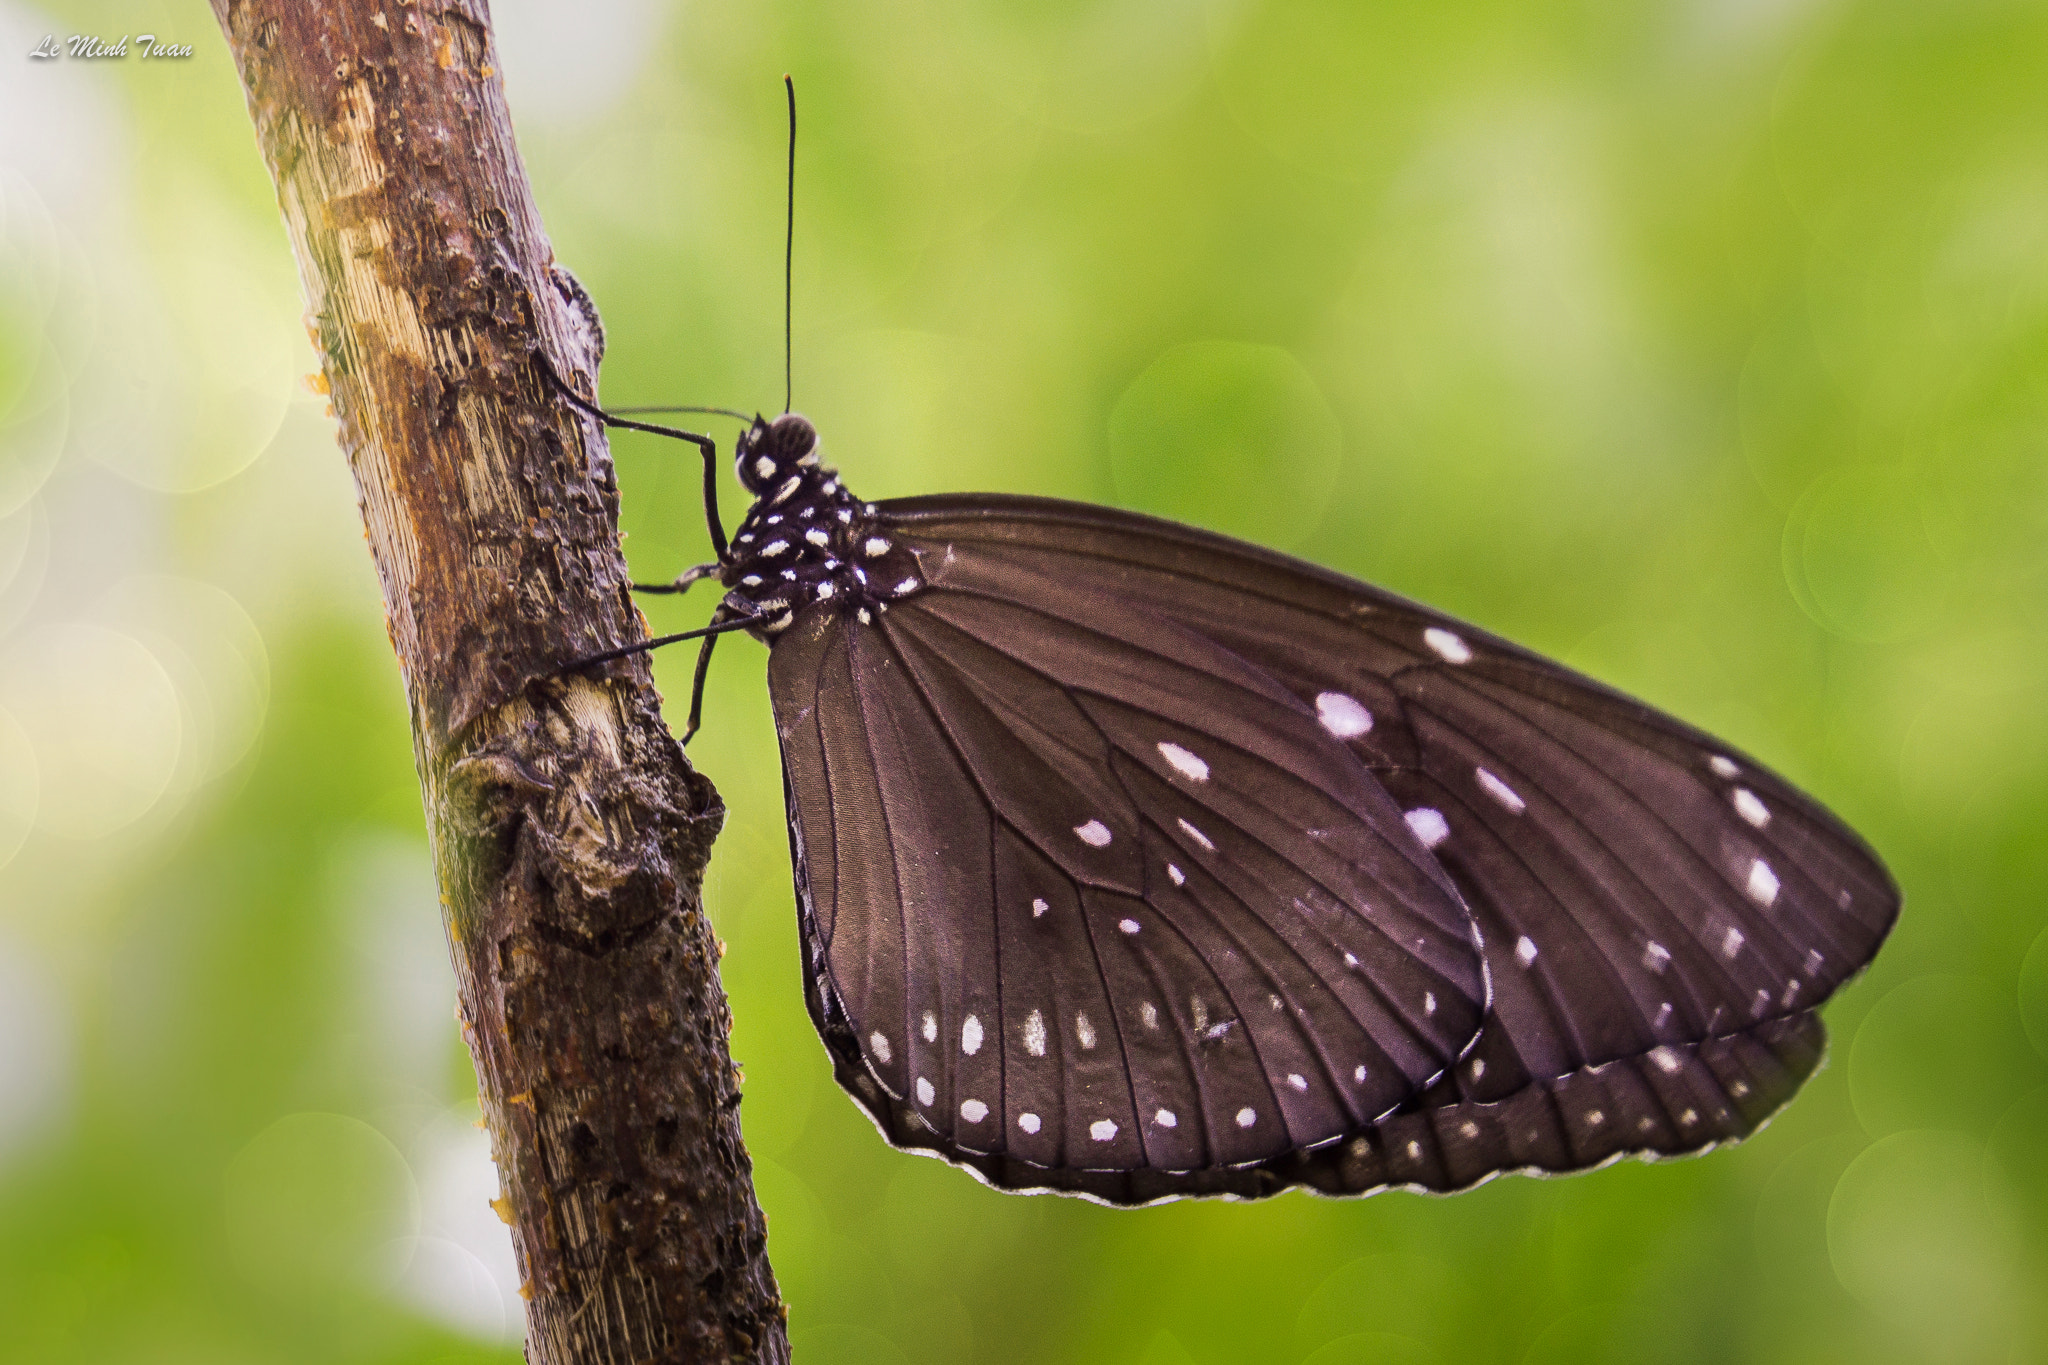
x,y
570,834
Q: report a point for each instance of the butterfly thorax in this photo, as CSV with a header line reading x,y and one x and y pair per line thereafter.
x,y
806,541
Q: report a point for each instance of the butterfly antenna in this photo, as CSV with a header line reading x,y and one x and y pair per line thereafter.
x,y
788,239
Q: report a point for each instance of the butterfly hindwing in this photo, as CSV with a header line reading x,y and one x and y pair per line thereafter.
x,y
1095,896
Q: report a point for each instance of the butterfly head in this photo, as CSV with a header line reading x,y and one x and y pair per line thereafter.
x,y
768,453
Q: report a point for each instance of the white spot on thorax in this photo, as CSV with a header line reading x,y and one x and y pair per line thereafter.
x,y
1763,883
879,1043
1501,792
931,1027
789,486
824,591
763,467
1129,926
1247,1116
974,1111
970,1036
865,619
817,535
1102,1130
907,585
1429,826
1083,1030
775,547
1342,716
1034,1034
1525,950
1750,807
1722,765
925,1093
1028,1122
1198,836
1165,1119
1185,763
752,580
1448,646
1731,943
1094,833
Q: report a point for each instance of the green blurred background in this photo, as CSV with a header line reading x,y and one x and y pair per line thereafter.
x,y
1699,343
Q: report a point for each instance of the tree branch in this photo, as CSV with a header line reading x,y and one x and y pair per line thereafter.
x,y
570,834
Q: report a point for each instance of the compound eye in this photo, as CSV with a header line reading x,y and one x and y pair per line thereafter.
x,y
792,437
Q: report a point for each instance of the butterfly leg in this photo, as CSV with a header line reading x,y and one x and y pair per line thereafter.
x,y
706,633
694,574
697,682
705,445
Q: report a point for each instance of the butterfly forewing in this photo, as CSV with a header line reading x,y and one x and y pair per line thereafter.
x,y
1210,830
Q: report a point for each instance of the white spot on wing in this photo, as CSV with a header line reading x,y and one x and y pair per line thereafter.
x,y
1763,883
1084,1030
1129,926
1342,716
970,1036
1723,765
1034,1034
1038,908
925,1093
1667,1061
1297,1080
1429,826
1750,807
931,1027
1448,646
1188,765
1149,1013
1165,1119
1247,1116
1525,950
1179,878
974,1111
874,546
1358,1074
878,1043
1094,833
1813,961
1102,1130
1731,943
1501,792
1656,957
1198,836
907,585
1028,1122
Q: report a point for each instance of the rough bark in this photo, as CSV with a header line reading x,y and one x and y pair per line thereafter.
x,y
569,832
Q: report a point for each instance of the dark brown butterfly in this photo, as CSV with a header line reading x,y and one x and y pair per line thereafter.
x,y
1136,862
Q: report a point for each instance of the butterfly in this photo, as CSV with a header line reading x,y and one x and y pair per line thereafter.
x,y
1135,862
